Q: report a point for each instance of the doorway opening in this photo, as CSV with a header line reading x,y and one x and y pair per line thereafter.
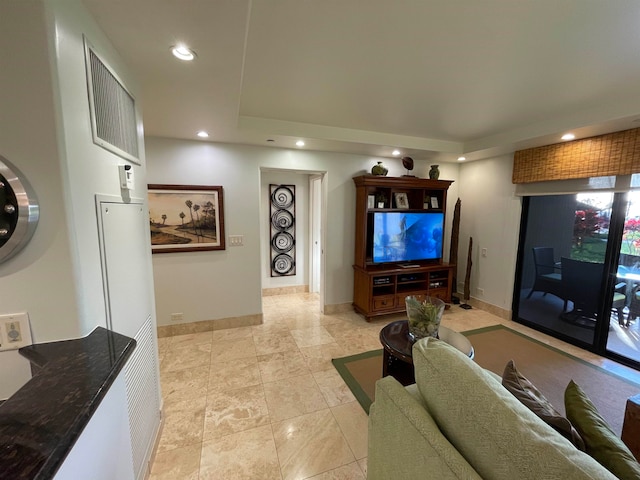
x,y
309,219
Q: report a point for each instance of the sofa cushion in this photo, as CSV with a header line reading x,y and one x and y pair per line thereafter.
x,y
405,442
525,391
601,442
497,435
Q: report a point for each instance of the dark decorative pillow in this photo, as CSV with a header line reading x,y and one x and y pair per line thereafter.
x,y
601,442
531,397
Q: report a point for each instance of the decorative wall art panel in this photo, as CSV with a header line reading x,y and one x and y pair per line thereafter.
x,y
282,216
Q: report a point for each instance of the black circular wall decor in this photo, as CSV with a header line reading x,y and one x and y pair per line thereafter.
x,y
283,232
19,210
282,242
283,264
282,220
283,197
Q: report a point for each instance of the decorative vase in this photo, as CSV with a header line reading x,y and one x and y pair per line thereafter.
x,y
379,169
424,314
434,173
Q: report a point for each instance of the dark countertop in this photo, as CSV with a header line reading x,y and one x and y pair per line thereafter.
x,y
41,422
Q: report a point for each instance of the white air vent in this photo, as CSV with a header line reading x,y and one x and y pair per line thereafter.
x,y
144,398
113,108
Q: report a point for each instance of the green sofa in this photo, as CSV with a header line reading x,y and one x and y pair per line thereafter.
x,y
458,421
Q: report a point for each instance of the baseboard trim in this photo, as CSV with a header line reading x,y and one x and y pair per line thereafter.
x,y
338,308
269,292
493,309
209,325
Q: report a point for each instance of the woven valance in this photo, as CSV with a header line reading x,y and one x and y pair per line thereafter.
x,y
611,154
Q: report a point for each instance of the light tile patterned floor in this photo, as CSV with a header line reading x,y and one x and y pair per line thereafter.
x,y
265,402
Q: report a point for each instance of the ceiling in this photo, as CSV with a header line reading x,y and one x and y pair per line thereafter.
x,y
435,79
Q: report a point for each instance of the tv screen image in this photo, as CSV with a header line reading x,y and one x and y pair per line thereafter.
x,y
407,236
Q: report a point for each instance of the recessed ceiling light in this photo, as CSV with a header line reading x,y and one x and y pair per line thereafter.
x,y
183,53
395,153
462,159
202,134
300,143
568,136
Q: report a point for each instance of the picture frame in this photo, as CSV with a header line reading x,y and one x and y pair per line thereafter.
x,y
186,218
434,202
402,201
371,201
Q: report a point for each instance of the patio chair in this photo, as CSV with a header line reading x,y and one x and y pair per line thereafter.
x,y
582,285
548,274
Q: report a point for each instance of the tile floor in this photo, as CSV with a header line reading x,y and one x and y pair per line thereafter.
x,y
265,402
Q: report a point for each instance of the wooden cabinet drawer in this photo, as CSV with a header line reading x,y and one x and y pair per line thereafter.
x,y
440,293
401,296
383,302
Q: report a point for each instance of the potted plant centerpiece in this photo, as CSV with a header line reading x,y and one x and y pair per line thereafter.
x,y
424,314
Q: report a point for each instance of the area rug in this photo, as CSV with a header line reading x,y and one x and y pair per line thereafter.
x,y
547,367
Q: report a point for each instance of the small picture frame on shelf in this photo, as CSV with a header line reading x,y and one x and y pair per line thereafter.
x,y
371,201
402,201
434,202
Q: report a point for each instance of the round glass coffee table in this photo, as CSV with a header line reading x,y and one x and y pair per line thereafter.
x,y
397,360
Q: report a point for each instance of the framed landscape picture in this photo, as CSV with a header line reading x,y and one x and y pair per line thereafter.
x,y
185,218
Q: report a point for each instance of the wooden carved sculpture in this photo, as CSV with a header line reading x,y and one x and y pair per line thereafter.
x,y
467,278
453,248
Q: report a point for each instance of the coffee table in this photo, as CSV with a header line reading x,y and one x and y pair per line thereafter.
x,y
397,360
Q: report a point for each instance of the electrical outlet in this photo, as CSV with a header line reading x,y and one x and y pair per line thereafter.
x,y
480,291
14,331
177,317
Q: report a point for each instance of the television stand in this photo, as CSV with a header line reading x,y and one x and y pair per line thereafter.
x,y
381,290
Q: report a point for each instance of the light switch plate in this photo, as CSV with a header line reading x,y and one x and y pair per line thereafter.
x,y
236,240
15,331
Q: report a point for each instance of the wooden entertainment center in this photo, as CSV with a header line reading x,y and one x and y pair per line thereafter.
x,y
380,289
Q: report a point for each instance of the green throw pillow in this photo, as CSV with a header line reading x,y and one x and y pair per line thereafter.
x,y
534,400
601,442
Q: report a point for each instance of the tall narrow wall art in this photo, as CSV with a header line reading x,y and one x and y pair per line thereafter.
x,y
283,230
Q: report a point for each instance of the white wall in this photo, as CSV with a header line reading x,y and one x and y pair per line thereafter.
x,y
39,279
221,284
103,450
301,183
490,214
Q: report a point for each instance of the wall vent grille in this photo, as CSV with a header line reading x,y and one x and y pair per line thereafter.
x,y
143,398
113,109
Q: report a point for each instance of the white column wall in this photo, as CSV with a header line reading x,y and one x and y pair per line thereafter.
x,y
490,214
87,168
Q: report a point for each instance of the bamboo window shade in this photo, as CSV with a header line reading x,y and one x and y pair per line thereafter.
x,y
604,155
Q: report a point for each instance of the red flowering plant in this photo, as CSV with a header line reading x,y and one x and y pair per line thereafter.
x,y
631,237
586,224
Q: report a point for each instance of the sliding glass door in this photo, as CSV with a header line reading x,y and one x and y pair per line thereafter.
x,y
578,274
624,335
562,264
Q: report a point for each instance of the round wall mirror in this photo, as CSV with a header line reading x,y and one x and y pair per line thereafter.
x,y
19,210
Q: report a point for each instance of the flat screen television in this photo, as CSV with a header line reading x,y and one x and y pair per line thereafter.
x,y
406,236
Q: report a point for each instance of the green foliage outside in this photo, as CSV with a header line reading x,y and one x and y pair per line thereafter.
x,y
591,249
